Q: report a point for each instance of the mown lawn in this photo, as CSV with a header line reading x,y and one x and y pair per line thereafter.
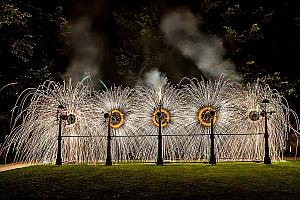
x,y
226,180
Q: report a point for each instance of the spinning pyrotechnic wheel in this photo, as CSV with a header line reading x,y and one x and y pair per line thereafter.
x,y
254,115
71,119
117,119
165,117
204,116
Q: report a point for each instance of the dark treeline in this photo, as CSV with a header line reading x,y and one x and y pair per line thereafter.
x,y
119,41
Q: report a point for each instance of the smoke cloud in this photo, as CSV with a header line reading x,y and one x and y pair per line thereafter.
x,y
155,78
181,30
87,48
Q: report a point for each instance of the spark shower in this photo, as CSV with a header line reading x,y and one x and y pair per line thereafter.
x,y
185,122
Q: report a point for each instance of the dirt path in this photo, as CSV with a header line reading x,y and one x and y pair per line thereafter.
x,y
11,166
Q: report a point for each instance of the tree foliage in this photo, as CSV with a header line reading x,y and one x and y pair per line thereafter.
x,y
138,39
31,35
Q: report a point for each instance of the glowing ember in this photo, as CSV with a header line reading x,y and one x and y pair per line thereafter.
x,y
165,117
204,116
117,119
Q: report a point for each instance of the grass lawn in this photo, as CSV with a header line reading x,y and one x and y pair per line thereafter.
x,y
226,180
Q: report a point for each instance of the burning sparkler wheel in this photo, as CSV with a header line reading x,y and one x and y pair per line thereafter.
x,y
254,115
117,119
165,117
71,119
204,116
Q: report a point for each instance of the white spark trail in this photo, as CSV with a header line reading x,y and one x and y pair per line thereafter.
x,y
186,123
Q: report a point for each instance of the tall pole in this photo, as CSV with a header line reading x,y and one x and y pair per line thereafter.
x,y
212,159
159,143
58,157
267,159
108,151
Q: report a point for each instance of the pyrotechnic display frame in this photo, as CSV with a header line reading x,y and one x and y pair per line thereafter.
x,y
194,120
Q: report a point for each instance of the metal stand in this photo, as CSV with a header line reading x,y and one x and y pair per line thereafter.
x,y
212,159
267,159
159,143
59,138
108,152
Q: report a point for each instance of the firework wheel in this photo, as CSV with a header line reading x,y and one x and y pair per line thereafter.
x,y
165,117
204,116
117,119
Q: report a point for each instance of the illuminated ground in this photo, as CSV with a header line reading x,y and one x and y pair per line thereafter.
x,y
11,166
226,180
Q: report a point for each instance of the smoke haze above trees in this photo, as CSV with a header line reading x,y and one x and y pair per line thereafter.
x,y
241,33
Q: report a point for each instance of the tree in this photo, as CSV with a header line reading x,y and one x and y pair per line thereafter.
x,y
262,38
31,35
137,48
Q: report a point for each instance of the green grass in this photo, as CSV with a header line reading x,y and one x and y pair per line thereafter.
x,y
226,180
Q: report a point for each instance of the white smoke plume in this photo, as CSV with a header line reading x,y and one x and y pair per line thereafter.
x,y
87,47
181,30
155,78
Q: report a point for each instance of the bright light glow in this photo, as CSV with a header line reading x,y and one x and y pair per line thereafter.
x,y
117,119
238,121
165,117
204,116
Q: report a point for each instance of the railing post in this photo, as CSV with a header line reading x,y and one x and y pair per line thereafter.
x,y
159,138
212,159
267,159
108,150
59,138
